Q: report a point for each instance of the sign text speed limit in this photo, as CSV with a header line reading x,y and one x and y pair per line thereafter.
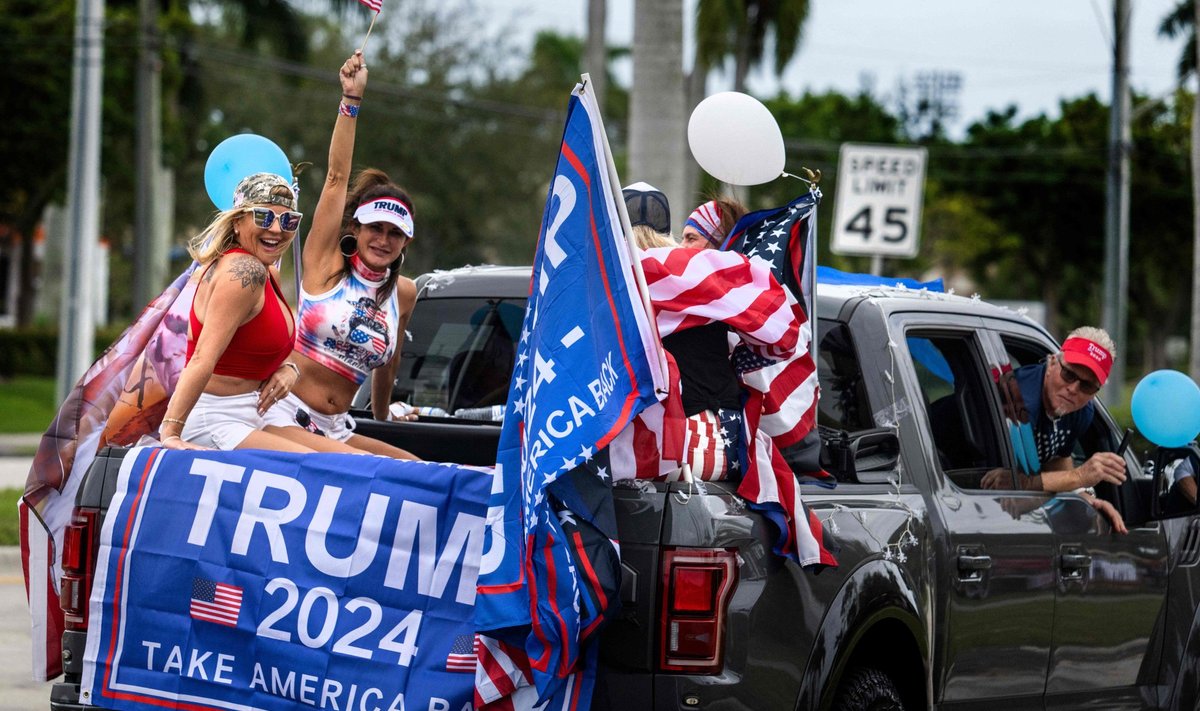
x,y
878,207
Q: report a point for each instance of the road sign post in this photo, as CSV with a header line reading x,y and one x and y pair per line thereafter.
x,y
878,207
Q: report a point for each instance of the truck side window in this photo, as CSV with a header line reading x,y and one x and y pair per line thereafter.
x,y
843,403
1098,437
961,418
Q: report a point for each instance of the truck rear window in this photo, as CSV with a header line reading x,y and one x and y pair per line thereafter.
x,y
461,353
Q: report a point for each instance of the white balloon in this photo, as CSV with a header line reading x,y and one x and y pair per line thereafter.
x,y
736,139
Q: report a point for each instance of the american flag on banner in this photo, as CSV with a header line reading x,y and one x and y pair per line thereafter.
x,y
375,5
462,654
782,404
121,397
215,602
588,357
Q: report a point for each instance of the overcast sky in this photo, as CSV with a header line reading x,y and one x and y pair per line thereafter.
x,y
1025,52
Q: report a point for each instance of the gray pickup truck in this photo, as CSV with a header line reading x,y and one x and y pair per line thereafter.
x,y
946,595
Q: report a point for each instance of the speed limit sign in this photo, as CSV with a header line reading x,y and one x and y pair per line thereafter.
x,y
878,206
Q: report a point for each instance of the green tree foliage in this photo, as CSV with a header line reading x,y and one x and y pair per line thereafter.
x,y
814,126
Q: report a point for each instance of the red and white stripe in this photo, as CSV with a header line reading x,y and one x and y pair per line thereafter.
x,y
690,288
704,446
502,676
375,5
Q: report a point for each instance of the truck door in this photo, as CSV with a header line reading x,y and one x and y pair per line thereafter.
x,y
996,549
1110,588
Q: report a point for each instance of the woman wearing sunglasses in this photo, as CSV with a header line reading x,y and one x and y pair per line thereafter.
x,y
354,305
241,328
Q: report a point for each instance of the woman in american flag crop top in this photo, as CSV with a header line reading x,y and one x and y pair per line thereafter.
x,y
354,305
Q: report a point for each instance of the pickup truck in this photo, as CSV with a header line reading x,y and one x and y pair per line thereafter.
x,y
946,595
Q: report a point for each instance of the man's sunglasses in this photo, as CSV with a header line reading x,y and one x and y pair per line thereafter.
x,y
264,217
1070,377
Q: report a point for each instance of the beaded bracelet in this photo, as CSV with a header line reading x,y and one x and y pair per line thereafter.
x,y
176,420
348,110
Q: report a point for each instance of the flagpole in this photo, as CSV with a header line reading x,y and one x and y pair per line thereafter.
x,y
369,28
614,186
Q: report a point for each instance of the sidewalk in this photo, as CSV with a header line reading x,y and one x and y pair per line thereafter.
x,y
16,456
19,445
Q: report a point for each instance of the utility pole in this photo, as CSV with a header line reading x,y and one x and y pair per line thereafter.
x,y
1116,217
596,51
1194,341
149,250
77,323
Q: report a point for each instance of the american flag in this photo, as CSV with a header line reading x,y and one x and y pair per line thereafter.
x,y
216,602
691,288
375,5
462,654
781,407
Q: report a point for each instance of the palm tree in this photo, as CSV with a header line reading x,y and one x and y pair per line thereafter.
x,y
596,53
656,103
740,29
1185,18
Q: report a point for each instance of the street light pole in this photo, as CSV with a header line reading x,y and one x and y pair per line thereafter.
x,y
77,319
1116,218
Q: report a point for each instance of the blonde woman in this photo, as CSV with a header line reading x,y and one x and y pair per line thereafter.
x,y
240,329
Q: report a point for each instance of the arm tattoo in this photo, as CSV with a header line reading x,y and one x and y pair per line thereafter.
x,y
249,271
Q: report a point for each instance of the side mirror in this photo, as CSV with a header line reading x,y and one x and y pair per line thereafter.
x,y
1175,471
865,456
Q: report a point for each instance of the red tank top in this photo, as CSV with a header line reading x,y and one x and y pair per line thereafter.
x,y
260,345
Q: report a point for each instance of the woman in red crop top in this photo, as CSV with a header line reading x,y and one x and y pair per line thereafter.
x,y
241,330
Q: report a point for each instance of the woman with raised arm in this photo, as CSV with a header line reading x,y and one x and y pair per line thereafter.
x,y
354,305
240,329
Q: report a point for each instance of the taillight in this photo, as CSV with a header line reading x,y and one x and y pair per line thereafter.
x,y
696,587
78,563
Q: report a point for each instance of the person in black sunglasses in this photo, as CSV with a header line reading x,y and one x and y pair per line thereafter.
x,y
354,303
1053,399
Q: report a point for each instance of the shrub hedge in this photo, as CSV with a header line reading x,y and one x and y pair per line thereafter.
x,y
34,351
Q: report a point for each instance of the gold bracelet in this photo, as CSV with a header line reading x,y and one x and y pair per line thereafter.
x,y
168,438
176,420
293,366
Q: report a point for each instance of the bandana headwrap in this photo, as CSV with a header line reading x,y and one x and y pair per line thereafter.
x,y
257,190
706,220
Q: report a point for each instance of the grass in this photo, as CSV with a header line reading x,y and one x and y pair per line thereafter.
x,y
8,516
27,404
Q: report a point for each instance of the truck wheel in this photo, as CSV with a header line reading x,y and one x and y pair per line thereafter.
x,y
867,689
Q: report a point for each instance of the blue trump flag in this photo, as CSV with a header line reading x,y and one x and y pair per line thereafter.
x,y
588,360
280,582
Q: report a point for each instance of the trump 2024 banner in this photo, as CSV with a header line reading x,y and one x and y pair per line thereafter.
x,y
265,580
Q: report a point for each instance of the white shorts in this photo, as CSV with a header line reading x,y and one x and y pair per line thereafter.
x,y
292,412
222,422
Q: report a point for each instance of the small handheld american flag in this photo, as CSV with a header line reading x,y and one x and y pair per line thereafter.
x,y
375,5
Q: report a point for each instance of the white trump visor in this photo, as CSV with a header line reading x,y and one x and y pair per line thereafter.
x,y
386,209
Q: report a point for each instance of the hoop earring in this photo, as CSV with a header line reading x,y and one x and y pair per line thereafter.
x,y
402,256
353,246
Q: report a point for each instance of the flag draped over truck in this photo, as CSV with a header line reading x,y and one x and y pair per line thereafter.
x,y
588,360
781,407
121,397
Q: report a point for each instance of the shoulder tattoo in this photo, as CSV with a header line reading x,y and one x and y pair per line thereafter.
x,y
248,270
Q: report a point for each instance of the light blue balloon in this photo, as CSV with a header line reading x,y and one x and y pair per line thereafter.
x,y
237,157
1166,408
